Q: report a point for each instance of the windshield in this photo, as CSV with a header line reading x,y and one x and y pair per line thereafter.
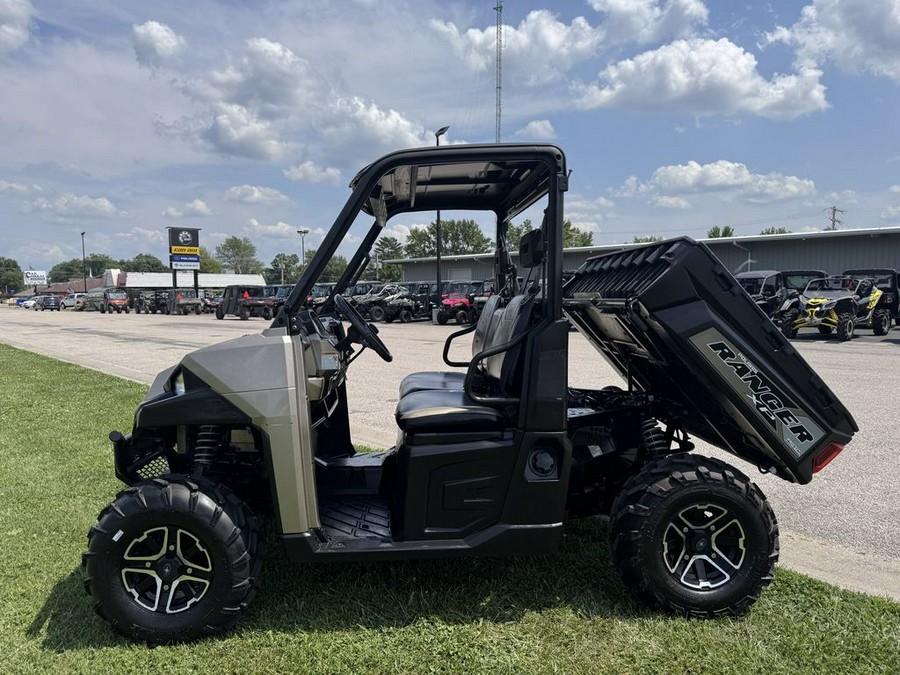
x,y
752,286
116,295
831,284
799,280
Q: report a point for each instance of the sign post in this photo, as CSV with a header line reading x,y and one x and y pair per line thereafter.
x,y
184,253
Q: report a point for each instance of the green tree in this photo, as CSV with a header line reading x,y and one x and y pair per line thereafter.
x,y
239,255
646,240
515,232
458,237
775,230
284,269
333,269
572,236
208,262
387,248
95,264
143,262
11,280
717,232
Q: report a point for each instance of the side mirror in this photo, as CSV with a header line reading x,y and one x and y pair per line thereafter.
x,y
531,249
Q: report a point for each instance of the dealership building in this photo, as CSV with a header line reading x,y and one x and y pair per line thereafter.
x,y
832,251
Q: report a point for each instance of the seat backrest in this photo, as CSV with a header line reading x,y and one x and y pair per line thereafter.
x,y
513,322
487,325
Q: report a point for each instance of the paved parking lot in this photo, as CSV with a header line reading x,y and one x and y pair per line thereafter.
x,y
843,527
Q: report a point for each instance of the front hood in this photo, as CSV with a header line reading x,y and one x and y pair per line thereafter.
x,y
675,323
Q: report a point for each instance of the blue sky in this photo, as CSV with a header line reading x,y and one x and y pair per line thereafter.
x,y
121,118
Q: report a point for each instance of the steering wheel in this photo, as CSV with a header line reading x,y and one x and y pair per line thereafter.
x,y
367,335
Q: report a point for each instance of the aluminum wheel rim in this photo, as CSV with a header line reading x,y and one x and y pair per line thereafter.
x,y
704,546
166,570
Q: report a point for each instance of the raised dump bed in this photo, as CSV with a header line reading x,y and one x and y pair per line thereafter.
x,y
675,323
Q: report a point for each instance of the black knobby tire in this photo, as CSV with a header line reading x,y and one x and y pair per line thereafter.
x,y
267,313
406,316
825,330
103,309
443,318
461,317
376,313
645,547
244,313
845,327
220,313
211,527
197,310
881,322
787,323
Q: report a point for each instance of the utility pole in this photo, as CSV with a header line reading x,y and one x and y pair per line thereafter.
x,y
499,10
835,221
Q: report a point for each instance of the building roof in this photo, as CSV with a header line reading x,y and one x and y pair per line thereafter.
x,y
186,279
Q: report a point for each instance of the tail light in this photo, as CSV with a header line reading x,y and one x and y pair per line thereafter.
x,y
828,453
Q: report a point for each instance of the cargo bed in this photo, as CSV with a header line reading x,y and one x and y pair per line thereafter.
x,y
675,323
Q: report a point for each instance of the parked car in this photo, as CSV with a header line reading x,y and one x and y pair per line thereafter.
x,y
48,302
71,300
30,302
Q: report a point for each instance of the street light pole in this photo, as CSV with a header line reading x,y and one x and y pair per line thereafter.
x,y
437,232
303,234
83,268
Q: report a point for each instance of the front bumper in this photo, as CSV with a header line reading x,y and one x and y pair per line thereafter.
x,y
812,318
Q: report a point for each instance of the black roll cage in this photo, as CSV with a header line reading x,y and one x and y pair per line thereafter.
x,y
505,178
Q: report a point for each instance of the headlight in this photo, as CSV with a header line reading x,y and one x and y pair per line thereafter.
x,y
178,383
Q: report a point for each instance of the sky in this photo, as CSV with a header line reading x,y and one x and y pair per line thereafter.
x,y
120,118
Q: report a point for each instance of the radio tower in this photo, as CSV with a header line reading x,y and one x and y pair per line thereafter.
x,y
499,10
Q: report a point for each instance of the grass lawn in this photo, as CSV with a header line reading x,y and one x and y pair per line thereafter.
x,y
565,613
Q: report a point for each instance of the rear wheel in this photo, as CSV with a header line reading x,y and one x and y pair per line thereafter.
x,y
127,311
267,313
442,318
694,536
173,559
220,313
376,313
103,309
881,322
197,309
406,316
461,317
244,313
845,327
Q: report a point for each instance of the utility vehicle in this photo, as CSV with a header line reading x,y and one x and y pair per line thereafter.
x,y
183,301
151,302
107,300
244,302
766,287
836,304
888,282
491,459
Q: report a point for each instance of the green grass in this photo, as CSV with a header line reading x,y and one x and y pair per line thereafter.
x,y
565,613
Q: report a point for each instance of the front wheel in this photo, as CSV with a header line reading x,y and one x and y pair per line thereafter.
x,y
461,317
845,327
881,322
244,313
220,313
376,313
787,324
694,536
267,313
172,559
406,316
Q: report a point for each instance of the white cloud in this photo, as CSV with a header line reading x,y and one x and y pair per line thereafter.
x,y
647,21
155,43
670,202
357,123
895,189
75,205
18,188
309,172
857,35
890,213
279,229
842,197
255,194
398,231
537,51
197,208
142,234
703,77
537,130
236,130
730,179
15,19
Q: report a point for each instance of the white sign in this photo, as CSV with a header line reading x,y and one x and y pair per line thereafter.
x,y
35,278
176,265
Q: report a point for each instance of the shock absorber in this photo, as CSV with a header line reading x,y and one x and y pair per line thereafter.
x,y
653,440
209,440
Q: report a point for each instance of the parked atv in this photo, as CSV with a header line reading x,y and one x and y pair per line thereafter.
x,y
410,304
455,303
766,288
836,304
371,304
887,281
151,302
246,301
183,301
107,300
492,459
